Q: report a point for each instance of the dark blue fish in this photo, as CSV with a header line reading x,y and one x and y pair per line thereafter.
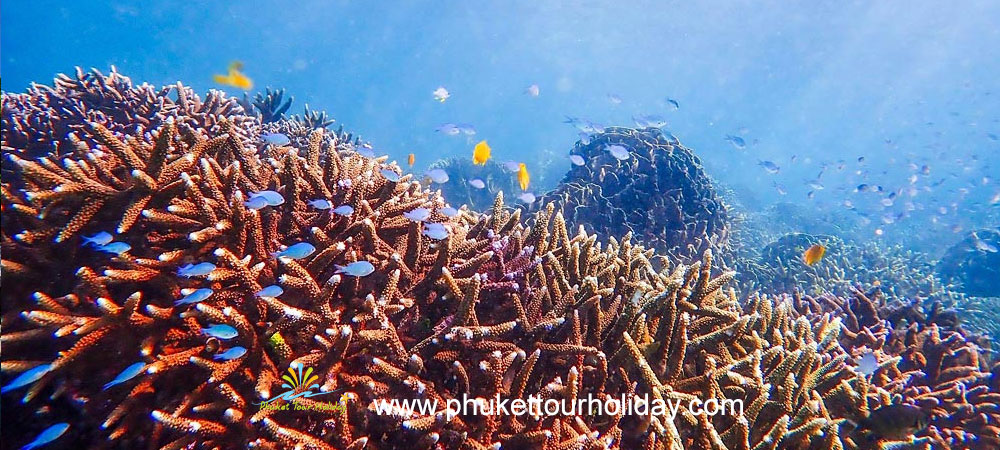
x,y
230,354
196,296
50,434
674,103
115,248
220,331
296,251
129,373
99,239
276,139
26,378
271,291
196,270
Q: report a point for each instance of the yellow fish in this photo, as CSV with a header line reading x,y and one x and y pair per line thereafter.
x,y
481,154
235,78
411,159
813,254
523,177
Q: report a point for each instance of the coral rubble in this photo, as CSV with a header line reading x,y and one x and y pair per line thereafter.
x,y
659,193
503,307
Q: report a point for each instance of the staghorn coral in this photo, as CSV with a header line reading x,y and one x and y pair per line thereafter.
x,y
461,170
503,307
270,106
660,194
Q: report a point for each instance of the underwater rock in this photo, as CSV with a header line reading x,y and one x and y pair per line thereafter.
x,y
974,263
648,185
503,307
458,191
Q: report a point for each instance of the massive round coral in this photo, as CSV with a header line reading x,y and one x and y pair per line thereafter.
x,y
660,193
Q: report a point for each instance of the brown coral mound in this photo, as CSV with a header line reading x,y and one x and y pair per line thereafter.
x,y
660,194
500,308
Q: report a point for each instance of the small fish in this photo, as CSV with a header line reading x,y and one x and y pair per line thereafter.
x,y
895,421
523,178
343,210
418,214
230,354
466,129
481,153
276,139
296,251
129,373
737,141
769,166
527,197
647,121
195,270
411,159
448,128
614,99
116,248
982,245
441,94
781,189
321,203
48,435
813,254
862,188
273,198
477,183
868,364
435,231
861,159
271,291
195,296
448,211
367,152
99,239
356,269
512,166
437,175
256,203
619,152
577,160
674,103
220,331
532,90
30,376
390,175
235,77
993,137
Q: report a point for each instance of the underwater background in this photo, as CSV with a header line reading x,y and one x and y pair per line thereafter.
x,y
816,185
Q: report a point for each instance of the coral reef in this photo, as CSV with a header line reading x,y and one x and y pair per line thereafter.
x,y
974,263
270,106
659,193
458,191
503,307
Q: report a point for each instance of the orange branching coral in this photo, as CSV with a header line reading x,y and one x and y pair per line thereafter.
x,y
240,287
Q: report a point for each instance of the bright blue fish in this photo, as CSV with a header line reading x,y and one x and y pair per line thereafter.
x,y
437,175
129,373
296,251
390,175
343,210
418,214
276,139
320,204
98,239
27,377
231,354
220,331
356,269
271,291
116,248
50,434
198,295
256,203
272,198
435,231
196,270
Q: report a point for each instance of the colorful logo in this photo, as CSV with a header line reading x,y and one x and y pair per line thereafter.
x,y
294,380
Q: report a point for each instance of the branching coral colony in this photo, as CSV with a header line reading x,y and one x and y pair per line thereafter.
x,y
501,306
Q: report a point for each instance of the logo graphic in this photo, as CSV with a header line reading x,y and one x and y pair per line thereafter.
x,y
295,379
